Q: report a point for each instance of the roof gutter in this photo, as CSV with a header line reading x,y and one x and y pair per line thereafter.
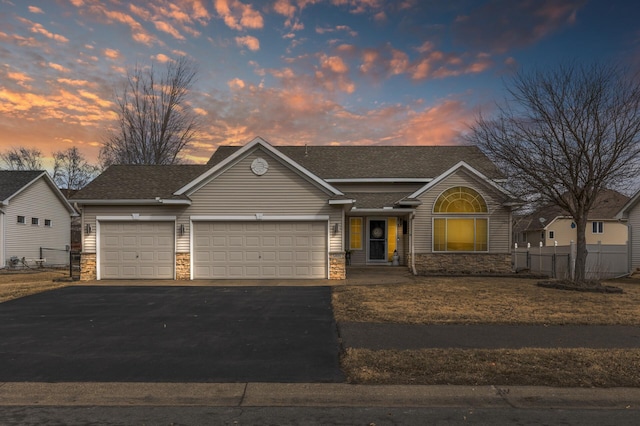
x,y
383,211
132,202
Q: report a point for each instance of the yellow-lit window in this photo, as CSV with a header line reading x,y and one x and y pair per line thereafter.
x,y
451,232
355,233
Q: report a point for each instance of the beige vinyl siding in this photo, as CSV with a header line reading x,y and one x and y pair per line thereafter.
x,y
91,212
499,217
38,200
614,233
281,191
634,236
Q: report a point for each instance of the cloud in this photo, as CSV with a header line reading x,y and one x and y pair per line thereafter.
x,y
35,9
501,25
162,58
250,42
58,67
169,29
237,15
19,77
111,53
37,28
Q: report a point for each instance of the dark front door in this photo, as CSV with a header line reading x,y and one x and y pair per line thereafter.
x,y
377,240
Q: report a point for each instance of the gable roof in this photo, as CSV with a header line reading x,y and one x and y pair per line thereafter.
x,y
13,182
631,203
378,162
606,206
139,182
245,150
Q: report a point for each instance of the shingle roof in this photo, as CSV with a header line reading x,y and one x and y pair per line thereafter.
x,y
13,180
136,182
607,204
356,162
376,200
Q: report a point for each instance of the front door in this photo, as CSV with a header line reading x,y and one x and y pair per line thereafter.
x,y
377,240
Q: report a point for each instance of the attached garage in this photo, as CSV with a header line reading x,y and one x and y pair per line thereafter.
x,y
259,250
136,250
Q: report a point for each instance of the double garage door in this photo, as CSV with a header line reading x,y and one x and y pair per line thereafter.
x,y
137,250
259,250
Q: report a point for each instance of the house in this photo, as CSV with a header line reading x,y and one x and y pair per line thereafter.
x,y
631,213
35,219
551,224
263,211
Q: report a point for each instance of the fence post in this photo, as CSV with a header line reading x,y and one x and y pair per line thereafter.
x,y
515,263
528,256
540,258
572,259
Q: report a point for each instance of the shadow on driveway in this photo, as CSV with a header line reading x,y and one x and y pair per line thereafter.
x,y
170,334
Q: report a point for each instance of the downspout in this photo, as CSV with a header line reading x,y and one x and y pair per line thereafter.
x,y
412,243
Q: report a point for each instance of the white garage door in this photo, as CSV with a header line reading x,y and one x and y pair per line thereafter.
x,y
136,250
258,250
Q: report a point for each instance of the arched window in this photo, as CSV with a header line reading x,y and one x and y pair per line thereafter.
x,y
460,222
460,199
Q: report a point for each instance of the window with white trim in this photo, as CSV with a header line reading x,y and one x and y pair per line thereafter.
x,y
22,220
597,227
35,221
48,223
460,222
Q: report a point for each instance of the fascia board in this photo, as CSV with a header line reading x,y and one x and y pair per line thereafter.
x,y
630,204
334,202
379,180
382,212
131,202
459,165
239,154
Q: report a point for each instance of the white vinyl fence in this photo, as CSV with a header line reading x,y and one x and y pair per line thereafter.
x,y
603,261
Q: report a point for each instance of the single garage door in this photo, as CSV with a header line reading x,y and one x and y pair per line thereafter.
x,y
258,250
136,250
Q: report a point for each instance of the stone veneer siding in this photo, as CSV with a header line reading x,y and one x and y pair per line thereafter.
x,y
88,267
337,266
463,263
183,266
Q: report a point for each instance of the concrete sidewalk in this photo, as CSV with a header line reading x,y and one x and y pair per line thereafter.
x,y
313,395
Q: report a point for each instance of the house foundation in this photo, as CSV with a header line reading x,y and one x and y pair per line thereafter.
x,y
183,266
337,266
463,263
88,270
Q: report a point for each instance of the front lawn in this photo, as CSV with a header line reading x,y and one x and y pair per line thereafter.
x,y
477,300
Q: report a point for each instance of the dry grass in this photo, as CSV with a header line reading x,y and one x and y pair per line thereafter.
x,y
520,367
20,283
474,300
477,300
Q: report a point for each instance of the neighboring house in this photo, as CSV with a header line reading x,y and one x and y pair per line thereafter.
x,y
631,213
34,214
263,211
551,224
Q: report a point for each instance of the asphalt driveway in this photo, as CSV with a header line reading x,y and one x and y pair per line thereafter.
x,y
170,334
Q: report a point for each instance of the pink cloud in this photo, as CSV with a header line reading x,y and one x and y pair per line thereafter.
x,y
35,9
237,15
249,42
111,53
169,29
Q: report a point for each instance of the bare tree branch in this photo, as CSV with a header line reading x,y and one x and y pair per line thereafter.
x,y
566,134
22,158
155,120
71,171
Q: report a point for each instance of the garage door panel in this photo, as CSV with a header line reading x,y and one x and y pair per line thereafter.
x,y
261,249
137,250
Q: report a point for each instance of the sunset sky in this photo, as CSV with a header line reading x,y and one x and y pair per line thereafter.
x,y
294,72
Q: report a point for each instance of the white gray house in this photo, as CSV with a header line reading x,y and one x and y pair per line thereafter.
x,y
631,213
290,212
34,214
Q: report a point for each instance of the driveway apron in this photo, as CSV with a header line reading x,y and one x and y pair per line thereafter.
x,y
170,334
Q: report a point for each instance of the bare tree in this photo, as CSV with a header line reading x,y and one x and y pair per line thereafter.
x,y
71,171
155,120
566,134
22,158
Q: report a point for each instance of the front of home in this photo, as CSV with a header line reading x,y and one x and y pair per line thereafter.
x,y
294,212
